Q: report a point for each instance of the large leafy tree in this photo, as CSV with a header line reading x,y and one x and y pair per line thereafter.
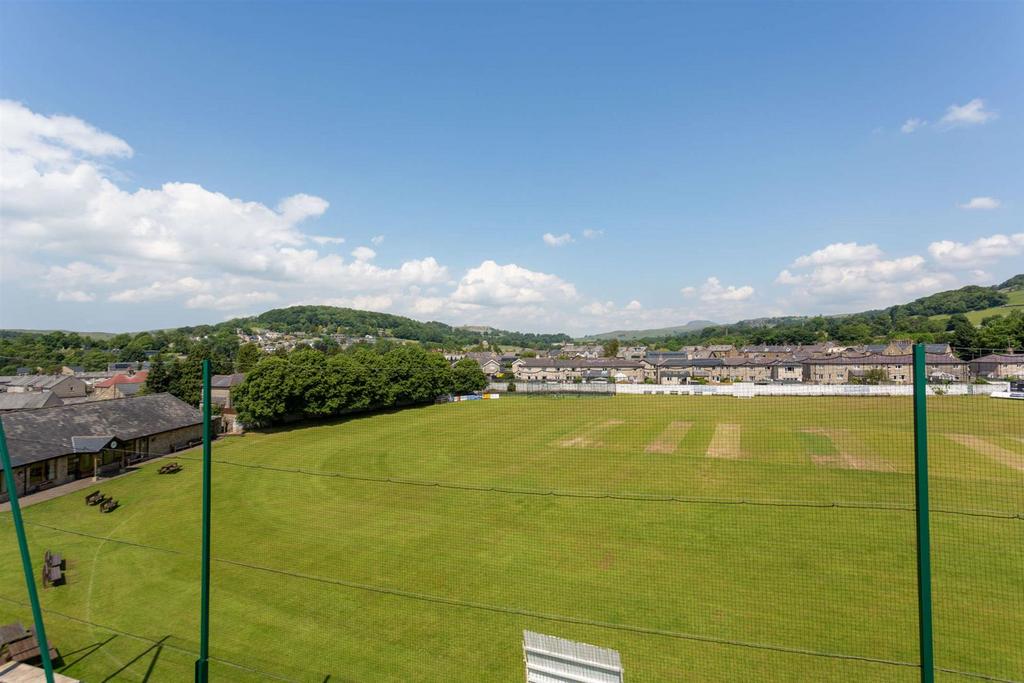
x,y
159,378
467,377
964,336
248,357
309,384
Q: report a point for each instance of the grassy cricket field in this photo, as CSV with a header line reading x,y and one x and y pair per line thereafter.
x,y
705,538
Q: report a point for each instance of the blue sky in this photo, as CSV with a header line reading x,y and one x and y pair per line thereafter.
x,y
715,161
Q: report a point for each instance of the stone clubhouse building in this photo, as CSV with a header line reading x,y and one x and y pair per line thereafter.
x,y
54,446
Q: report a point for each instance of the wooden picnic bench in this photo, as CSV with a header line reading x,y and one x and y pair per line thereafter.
x,y
54,560
53,574
11,632
26,649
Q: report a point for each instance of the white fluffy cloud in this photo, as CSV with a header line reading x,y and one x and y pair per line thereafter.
x,y
956,116
718,301
71,231
840,252
327,239
846,275
76,295
849,276
971,114
232,302
713,291
979,252
910,125
68,224
158,290
363,254
301,206
493,284
54,138
557,240
599,308
981,204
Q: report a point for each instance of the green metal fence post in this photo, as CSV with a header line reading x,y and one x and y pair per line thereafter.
x,y
26,560
924,571
203,663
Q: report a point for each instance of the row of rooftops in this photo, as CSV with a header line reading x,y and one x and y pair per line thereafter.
x,y
682,360
37,435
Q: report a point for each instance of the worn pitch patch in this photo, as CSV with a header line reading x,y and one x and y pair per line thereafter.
x,y
725,443
669,439
841,441
997,453
587,438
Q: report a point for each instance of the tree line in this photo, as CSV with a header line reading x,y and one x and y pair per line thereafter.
x,y
307,384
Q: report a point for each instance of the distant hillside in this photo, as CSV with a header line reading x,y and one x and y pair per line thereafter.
x,y
1014,283
627,335
349,321
924,319
12,332
1015,301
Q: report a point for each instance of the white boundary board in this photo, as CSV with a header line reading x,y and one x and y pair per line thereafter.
x,y
556,660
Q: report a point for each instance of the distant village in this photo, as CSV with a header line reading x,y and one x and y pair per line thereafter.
x,y
822,363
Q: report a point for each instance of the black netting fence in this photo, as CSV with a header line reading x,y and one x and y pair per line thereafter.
x,y
976,485
711,535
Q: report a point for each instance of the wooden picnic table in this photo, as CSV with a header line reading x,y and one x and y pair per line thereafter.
x,y
54,574
26,649
12,632
54,560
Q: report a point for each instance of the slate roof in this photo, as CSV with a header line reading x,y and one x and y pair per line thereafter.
x,y
94,375
38,381
27,400
616,363
690,363
91,444
1001,358
879,359
227,381
654,357
127,365
741,362
37,435
130,389
936,348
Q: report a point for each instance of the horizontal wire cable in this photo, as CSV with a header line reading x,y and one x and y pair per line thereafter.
x,y
642,497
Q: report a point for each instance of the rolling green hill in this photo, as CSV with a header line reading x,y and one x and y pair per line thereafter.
x,y
626,335
1014,301
977,302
